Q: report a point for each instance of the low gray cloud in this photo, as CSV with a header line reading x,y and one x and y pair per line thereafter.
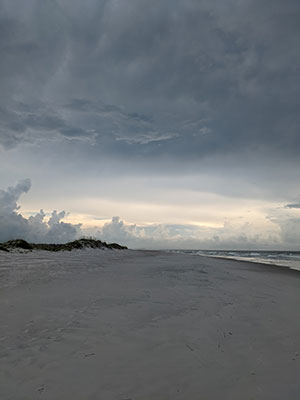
x,y
289,225
290,231
82,121
39,123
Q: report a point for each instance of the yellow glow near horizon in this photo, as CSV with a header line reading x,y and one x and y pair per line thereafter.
x,y
205,211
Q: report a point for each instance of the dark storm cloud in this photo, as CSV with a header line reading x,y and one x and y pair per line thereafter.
x,y
183,78
293,205
35,122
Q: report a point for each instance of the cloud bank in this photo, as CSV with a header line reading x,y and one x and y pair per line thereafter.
x,y
35,228
232,235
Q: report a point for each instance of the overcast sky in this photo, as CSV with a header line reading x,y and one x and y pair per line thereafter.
x,y
162,123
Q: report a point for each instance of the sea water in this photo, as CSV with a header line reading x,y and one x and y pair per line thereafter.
x,y
290,259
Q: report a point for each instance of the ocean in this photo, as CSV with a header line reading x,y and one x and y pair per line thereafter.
x,y
290,259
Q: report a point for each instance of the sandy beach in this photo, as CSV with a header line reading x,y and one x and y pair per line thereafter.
x,y
143,325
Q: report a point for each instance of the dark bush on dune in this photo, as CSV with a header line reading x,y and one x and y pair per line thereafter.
x,y
18,244
2,248
83,243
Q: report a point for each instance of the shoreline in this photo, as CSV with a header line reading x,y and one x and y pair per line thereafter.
x,y
263,261
271,265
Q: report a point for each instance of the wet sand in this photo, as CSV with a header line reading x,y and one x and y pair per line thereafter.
x,y
141,325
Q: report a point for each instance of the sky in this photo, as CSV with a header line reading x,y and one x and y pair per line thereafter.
x,y
155,124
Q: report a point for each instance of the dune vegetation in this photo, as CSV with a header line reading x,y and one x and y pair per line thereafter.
x,y
82,243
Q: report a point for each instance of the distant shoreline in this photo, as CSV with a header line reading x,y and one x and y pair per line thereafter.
x,y
276,258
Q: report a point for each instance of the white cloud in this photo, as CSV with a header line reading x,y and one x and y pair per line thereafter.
x,y
241,235
237,233
34,229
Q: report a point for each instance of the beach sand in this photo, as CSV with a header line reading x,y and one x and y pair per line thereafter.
x,y
142,325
